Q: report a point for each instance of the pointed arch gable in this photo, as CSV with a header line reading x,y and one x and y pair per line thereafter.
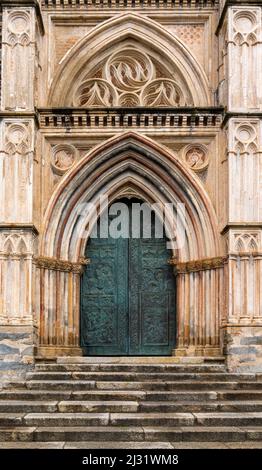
x,y
127,161
114,31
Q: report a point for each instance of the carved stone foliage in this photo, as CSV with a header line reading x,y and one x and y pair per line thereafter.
x,y
246,138
17,138
196,157
54,264
198,265
129,78
245,27
63,158
18,28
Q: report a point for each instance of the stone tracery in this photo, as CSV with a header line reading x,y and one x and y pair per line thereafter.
x,y
130,78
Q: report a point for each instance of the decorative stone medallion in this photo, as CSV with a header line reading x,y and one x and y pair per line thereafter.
x,y
17,138
196,157
63,158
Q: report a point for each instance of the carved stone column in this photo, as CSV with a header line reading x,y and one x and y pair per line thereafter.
x,y
240,31
59,305
200,288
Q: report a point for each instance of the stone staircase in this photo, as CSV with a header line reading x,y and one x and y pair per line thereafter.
x,y
131,405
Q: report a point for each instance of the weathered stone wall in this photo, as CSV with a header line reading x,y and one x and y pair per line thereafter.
x,y
243,348
16,351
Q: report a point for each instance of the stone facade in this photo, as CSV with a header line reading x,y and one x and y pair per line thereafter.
x,y
184,126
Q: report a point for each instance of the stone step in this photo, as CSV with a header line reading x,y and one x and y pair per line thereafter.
x,y
97,406
147,368
152,396
193,407
131,445
111,419
169,386
165,419
186,419
30,395
141,360
26,406
239,395
143,386
138,376
11,419
199,395
130,434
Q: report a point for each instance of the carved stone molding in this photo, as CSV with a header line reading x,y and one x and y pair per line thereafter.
x,y
246,26
130,78
243,136
196,157
55,264
244,241
17,243
63,158
198,265
17,137
19,27
246,138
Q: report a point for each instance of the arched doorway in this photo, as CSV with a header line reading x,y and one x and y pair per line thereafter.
x,y
128,289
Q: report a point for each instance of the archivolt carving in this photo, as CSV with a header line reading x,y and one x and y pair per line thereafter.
x,y
245,26
18,30
129,79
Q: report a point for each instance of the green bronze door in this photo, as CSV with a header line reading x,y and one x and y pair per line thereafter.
x,y
128,297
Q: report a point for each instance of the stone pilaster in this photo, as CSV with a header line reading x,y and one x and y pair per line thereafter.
x,y
18,236
240,79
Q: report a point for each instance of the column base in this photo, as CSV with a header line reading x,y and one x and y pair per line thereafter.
x,y
203,351
52,352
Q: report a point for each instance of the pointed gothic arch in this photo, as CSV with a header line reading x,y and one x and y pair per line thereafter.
x,y
129,29
155,174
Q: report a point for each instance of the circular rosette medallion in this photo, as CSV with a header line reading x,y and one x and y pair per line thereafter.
x,y
129,70
196,157
95,92
63,157
162,92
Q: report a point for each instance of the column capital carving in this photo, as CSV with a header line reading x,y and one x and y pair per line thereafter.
x,y
55,264
198,265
